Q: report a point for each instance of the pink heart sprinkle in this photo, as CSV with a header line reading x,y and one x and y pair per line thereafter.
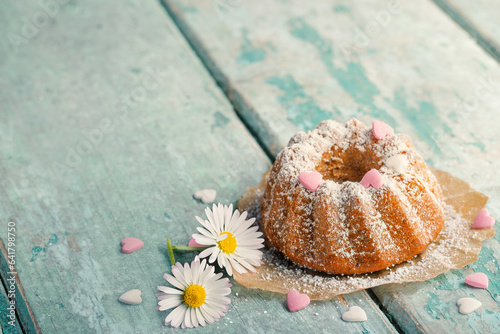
x,y
193,243
372,178
478,280
381,130
296,301
483,220
310,180
130,245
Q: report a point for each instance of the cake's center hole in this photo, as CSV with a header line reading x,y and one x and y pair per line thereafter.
x,y
349,165
194,296
226,242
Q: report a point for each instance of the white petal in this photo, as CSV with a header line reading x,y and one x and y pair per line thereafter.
x,y
199,316
222,258
169,303
227,216
236,266
187,274
206,315
204,234
195,270
207,273
208,251
211,219
219,291
179,277
213,310
215,254
208,225
161,295
249,242
246,265
171,291
243,226
194,320
249,231
175,317
234,219
187,318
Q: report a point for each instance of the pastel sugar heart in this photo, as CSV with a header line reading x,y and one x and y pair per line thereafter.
x,y
381,130
296,301
132,297
483,220
398,163
355,313
193,243
373,179
467,305
478,280
207,196
310,180
130,245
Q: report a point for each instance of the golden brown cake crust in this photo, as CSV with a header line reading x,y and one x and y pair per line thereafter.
x,y
342,227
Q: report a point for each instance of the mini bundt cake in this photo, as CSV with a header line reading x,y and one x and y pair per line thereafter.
x,y
375,204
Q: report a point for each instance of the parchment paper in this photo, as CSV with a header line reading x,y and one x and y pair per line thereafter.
x,y
456,246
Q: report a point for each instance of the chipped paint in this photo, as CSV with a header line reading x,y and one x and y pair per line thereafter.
x,y
436,308
424,119
302,109
341,9
35,252
352,78
248,52
219,121
52,240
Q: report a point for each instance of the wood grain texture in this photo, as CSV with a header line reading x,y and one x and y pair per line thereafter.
x,y
287,65
479,19
112,125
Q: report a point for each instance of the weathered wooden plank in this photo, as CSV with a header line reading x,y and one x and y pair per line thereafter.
x,y
287,65
479,18
112,124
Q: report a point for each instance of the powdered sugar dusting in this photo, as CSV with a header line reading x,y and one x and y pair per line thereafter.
x,y
456,246
455,236
290,211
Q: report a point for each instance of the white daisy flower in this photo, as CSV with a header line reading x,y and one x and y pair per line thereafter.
x,y
198,297
231,238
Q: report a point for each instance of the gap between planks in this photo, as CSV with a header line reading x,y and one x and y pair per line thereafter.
x,y
220,79
457,16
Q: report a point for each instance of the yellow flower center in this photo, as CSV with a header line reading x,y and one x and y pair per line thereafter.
x,y
194,296
228,245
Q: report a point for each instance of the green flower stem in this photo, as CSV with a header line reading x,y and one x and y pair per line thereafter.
x,y
180,248
170,252
187,248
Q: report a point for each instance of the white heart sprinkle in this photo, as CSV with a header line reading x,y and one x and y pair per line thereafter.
x,y
132,297
467,305
355,313
206,195
398,163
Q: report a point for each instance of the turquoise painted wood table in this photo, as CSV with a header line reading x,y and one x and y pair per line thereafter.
x,y
114,113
